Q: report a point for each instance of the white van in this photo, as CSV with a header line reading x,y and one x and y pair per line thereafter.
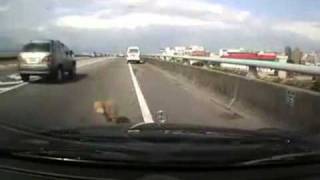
x,y
133,55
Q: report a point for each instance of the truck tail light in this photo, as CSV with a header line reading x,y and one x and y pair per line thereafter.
x,y
47,59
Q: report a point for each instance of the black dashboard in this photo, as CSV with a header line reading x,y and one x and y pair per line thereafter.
x,y
20,167
24,169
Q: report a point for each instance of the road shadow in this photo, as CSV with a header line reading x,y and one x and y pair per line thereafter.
x,y
79,77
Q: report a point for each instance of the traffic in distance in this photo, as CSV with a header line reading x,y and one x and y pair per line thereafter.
x,y
53,60
133,55
141,89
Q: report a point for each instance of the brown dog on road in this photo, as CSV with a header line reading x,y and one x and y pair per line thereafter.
x,y
109,111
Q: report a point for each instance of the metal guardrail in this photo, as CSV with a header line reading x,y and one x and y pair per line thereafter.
x,y
8,55
252,64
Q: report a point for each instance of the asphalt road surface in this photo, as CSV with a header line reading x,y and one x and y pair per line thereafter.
x,y
138,93
7,67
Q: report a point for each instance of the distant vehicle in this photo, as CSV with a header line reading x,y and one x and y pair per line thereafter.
x,y
133,55
120,55
82,55
49,58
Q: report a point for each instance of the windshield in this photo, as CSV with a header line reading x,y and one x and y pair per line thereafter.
x,y
133,51
242,74
37,47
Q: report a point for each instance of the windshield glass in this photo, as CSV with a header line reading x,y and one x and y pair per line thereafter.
x,y
236,72
37,47
133,50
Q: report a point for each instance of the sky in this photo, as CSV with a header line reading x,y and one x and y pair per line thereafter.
x,y
113,25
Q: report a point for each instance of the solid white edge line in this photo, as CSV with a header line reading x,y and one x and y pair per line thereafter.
x,y
147,117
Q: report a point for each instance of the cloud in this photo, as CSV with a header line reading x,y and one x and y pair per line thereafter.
x,y
310,30
4,8
142,13
133,21
87,25
190,6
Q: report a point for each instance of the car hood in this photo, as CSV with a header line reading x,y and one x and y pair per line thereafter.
x,y
172,129
152,144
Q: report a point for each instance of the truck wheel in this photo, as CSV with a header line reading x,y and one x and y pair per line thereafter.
x,y
60,75
72,73
57,75
25,78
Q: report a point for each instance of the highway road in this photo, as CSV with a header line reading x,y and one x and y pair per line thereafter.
x,y
138,92
7,67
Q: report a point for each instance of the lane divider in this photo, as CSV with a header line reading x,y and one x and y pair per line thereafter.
x,y
147,117
90,62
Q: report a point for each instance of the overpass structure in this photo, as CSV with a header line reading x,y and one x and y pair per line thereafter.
x,y
294,107
252,64
171,85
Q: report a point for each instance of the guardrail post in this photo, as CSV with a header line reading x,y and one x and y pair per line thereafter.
x,y
282,74
252,73
186,62
316,83
206,65
215,64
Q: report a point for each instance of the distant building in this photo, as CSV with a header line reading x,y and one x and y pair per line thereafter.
x,y
247,54
179,50
168,51
308,59
193,48
288,52
197,51
185,50
316,57
297,56
226,51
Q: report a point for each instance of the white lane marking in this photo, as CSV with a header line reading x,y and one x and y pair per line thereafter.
x,y
4,90
90,62
147,117
7,89
15,76
10,83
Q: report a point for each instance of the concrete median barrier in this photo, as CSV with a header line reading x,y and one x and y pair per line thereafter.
x,y
295,108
